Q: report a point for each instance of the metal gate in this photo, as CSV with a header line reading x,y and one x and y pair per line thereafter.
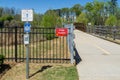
x,y
44,46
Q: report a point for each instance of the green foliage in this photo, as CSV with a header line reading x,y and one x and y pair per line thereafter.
x,y
89,6
77,8
118,22
17,17
118,13
1,60
51,34
94,11
6,17
112,6
98,6
2,57
63,10
50,19
111,21
12,23
82,18
37,19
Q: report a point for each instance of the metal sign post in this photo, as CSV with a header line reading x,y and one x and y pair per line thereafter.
x,y
27,15
26,42
70,38
27,61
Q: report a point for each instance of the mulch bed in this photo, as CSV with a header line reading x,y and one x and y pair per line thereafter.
x,y
5,67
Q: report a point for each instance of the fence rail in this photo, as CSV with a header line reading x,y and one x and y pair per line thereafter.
x,y
44,45
106,31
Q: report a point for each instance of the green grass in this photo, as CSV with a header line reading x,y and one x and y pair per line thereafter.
x,y
60,73
42,72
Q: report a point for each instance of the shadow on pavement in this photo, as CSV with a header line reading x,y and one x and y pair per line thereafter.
x,y
77,56
41,70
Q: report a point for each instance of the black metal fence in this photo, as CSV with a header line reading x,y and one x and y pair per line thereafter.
x,y
44,45
106,31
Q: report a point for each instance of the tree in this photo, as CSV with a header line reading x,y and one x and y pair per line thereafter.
x,y
82,18
37,19
1,10
94,11
77,8
65,10
118,22
17,17
118,13
6,17
111,21
112,6
50,19
89,8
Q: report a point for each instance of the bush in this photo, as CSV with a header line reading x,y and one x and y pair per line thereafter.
x,y
111,21
50,34
1,60
2,57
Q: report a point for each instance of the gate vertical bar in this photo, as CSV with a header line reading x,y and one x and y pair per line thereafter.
x,y
15,43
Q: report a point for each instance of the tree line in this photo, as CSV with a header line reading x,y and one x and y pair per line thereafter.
x,y
96,12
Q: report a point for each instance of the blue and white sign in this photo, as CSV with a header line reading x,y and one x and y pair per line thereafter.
x,y
27,27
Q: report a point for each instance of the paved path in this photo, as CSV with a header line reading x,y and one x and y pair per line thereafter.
x,y
100,58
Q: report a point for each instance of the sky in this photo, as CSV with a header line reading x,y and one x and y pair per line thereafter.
x,y
41,6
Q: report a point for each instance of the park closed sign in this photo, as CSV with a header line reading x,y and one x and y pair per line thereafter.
x,y
61,32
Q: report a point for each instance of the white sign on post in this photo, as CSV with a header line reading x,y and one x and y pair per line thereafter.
x,y
27,15
26,39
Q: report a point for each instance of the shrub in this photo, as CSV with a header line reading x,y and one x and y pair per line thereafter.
x,y
2,57
111,21
1,60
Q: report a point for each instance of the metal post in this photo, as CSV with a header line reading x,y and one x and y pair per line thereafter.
x,y
15,43
26,42
27,61
70,42
114,32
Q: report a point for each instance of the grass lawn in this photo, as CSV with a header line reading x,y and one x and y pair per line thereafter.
x,y
42,72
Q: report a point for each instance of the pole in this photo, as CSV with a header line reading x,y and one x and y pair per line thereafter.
x,y
27,61
27,55
16,44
